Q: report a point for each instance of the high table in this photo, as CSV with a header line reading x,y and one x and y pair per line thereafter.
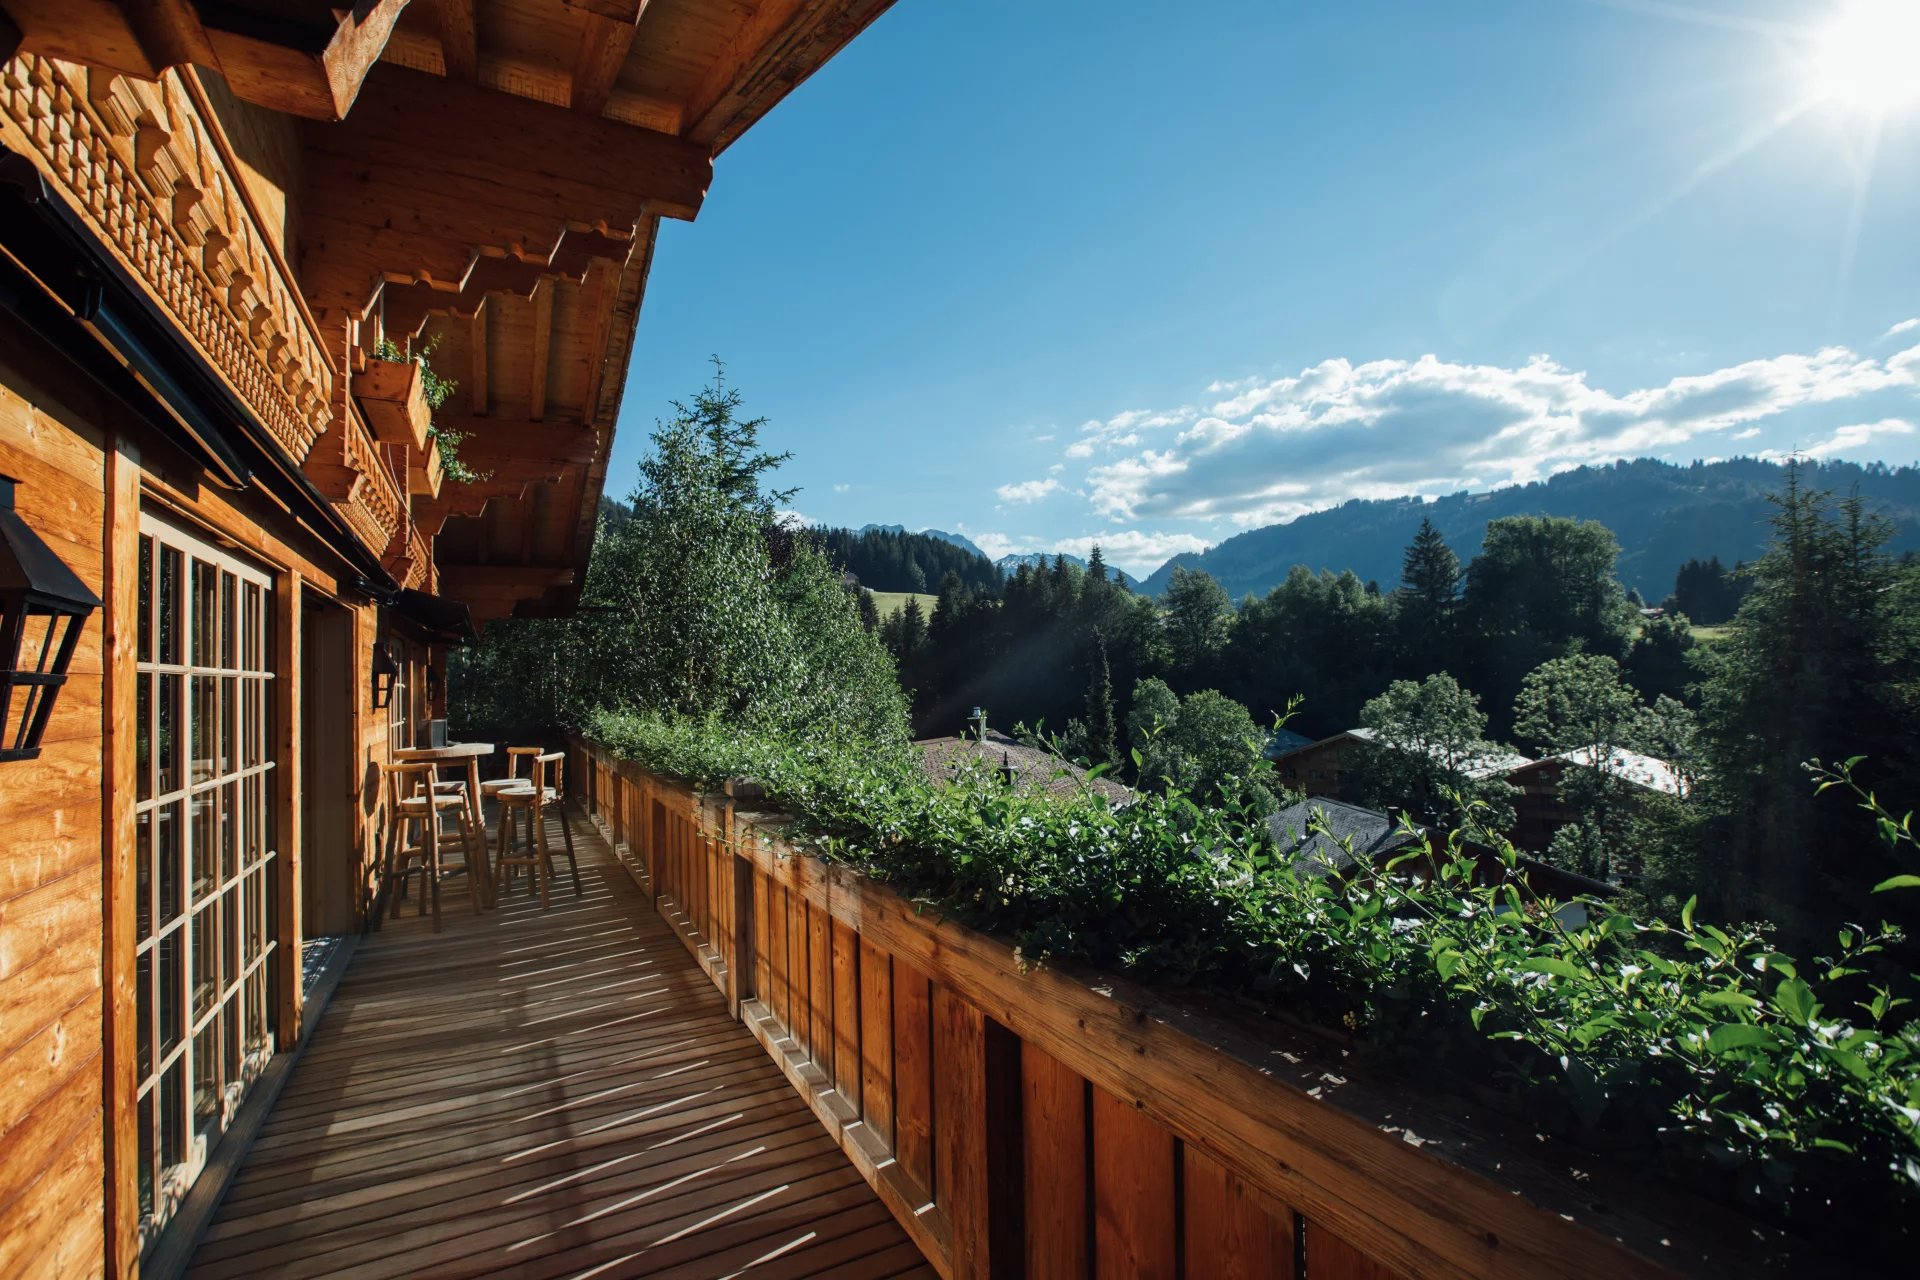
x,y
471,753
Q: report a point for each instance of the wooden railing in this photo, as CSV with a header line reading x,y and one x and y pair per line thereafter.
x,y
1023,1121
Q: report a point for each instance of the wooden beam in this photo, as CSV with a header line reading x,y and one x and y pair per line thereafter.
x,y
304,57
459,38
477,344
428,171
542,348
604,43
780,44
489,579
503,439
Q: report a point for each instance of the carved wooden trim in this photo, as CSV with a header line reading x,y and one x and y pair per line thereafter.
x,y
142,167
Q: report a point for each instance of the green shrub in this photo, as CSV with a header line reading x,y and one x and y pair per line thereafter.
x,y
1796,1082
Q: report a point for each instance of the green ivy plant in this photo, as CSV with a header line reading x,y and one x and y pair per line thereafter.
x,y
1792,1085
435,390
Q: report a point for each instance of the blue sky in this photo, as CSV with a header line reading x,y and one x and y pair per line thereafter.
x,y
1070,272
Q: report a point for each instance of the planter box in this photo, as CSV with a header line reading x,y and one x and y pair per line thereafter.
x,y
425,470
968,1085
390,396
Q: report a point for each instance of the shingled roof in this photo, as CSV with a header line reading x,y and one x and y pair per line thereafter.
x,y
1030,769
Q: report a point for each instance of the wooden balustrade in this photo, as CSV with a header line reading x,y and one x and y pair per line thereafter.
x,y
1023,1121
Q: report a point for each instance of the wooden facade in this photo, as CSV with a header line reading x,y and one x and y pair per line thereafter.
x,y
214,219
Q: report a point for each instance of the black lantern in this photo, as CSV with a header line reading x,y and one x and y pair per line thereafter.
x,y
385,669
43,606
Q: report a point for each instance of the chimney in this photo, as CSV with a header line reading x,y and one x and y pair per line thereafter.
x,y
978,721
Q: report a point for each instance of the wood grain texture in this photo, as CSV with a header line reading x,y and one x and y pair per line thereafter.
x,y
1231,1230
1054,1146
913,1073
960,1177
876,1041
1133,1193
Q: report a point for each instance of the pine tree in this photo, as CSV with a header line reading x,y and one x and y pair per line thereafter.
x,y
913,629
1103,734
1096,565
1427,605
869,613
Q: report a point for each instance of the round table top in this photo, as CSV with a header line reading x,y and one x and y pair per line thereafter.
x,y
452,751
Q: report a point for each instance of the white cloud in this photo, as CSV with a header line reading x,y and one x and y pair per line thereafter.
x,y
793,520
1135,550
1277,448
1905,326
842,488
1027,490
1856,436
996,544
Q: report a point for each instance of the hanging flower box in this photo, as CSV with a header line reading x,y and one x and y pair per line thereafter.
x,y
392,395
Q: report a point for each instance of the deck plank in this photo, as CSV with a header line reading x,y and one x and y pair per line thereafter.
x,y
543,1094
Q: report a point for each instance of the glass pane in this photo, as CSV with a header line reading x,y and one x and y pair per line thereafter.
x,y
143,874
206,621
143,980
167,733
168,819
172,1023
206,962
229,711
206,1080
230,818
229,656
146,598
230,930
143,736
205,842
173,1130
256,911
145,1123
230,1038
252,626
205,708
170,604
255,697
257,1026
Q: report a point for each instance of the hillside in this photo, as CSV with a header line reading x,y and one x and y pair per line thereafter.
x,y
1663,514
888,558
1041,559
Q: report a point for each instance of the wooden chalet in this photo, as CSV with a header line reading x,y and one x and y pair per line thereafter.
x,y
214,220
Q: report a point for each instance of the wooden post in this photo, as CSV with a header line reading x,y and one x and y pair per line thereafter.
x,y
979,1163
740,984
119,786
286,685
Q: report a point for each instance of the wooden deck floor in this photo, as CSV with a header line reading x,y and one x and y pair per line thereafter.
x,y
543,1094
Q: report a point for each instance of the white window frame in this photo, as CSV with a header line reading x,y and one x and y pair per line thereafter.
x,y
235,779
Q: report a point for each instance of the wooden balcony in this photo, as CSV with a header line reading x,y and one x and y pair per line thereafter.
x,y
543,1093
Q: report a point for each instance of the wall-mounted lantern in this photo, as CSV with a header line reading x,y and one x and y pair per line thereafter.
x,y
385,671
43,606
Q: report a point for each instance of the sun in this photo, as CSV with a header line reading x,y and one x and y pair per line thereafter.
x,y
1868,57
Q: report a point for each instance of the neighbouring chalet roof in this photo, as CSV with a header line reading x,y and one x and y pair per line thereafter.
x,y
1285,742
1031,769
1487,766
291,184
1321,836
1641,770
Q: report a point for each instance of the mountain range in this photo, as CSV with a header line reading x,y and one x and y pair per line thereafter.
x,y
1041,559
1663,514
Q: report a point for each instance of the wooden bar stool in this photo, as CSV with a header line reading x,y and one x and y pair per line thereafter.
x,y
531,798
417,835
492,787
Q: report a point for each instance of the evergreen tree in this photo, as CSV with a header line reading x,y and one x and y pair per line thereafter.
x,y
869,612
1096,565
1102,734
1820,663
1427,605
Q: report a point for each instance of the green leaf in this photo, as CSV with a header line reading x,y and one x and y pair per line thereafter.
x,y
1737,1035
1732,999
1552,965
1795,999
1686,912
1898,882
1447,962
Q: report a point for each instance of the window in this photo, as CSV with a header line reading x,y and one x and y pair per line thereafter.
x,y
204,854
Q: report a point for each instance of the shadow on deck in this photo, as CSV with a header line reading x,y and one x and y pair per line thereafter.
x,y
543,1094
